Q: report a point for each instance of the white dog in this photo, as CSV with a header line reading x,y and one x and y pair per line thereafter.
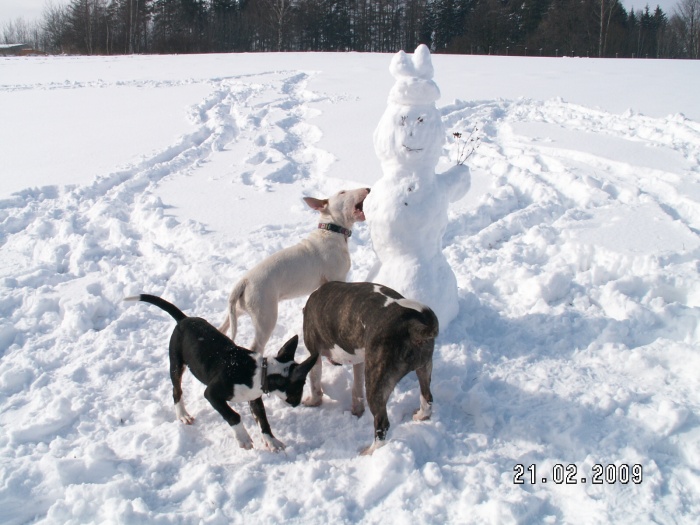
x,y
298,270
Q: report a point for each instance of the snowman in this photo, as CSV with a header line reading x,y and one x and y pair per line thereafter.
x,y
407,208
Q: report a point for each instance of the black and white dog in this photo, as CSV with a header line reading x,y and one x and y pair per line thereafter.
x,y
230,372
382,334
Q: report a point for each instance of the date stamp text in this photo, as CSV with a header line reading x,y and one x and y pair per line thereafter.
x,y
569,474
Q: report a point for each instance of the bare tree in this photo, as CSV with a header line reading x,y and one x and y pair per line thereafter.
x,y
279,11
18,32
688,12
55,27
606,10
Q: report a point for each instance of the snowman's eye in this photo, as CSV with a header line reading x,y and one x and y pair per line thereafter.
x,y
420,120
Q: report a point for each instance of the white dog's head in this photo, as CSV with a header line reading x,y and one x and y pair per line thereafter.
x,y
344,208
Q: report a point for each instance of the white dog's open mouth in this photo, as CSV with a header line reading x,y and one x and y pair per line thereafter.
x,y
359,212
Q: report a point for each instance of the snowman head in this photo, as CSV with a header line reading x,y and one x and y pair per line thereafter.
x,y
411,130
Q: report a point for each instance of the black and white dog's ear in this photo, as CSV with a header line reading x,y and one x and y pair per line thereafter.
x,y
287,352
301,371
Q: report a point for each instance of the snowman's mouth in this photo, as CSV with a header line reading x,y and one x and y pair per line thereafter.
x,y
408,148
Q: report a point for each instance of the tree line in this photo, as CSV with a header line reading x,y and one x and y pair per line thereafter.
x,y
594,28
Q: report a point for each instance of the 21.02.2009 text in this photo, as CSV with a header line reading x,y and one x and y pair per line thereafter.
x,y
569,475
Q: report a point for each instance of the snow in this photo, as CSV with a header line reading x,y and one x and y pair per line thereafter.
x,y
575,252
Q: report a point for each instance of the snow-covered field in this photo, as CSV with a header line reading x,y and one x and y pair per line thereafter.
x,y
576,253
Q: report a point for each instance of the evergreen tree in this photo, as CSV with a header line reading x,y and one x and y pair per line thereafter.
x,y
448,21
224,25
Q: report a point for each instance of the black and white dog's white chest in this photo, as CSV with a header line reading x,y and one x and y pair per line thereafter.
x,y
252,386
247,390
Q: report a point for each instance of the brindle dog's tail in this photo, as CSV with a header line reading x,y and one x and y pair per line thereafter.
x,y
173,310
424,327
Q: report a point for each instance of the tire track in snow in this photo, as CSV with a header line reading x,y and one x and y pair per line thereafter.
x,y
538,181
279,143
107,237
218,118
534,246
70,255
558,299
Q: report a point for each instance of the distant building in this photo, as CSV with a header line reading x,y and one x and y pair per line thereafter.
x,y
18,50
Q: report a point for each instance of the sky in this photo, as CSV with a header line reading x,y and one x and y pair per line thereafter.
x,y
11,10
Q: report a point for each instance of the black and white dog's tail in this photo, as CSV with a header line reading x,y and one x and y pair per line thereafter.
x,y
173,310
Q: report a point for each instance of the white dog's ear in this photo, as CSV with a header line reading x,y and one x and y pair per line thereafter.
x,y
316,204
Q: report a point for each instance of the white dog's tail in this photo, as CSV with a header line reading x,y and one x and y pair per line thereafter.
x,y
231,320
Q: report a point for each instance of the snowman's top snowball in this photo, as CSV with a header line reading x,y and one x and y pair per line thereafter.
x,y
413,74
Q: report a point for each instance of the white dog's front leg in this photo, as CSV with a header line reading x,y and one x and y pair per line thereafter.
x,y
316,396
374,446
242,436
425,411
358,389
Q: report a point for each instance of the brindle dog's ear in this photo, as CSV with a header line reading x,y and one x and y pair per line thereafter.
x,y
287,352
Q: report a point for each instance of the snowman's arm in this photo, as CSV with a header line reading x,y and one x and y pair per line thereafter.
x,y
456,181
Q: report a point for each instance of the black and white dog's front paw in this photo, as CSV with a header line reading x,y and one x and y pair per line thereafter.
x,y
181,413
272,443
242,436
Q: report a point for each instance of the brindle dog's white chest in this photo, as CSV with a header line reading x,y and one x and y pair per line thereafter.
x,y
340,356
